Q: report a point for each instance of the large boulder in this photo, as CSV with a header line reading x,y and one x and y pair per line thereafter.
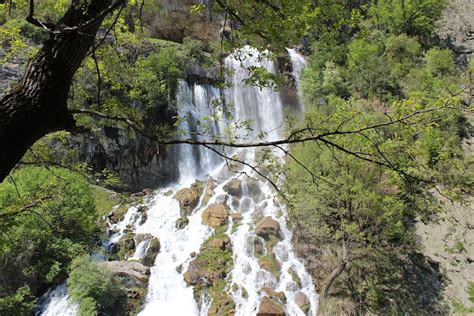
x,y
253,187
133,274
221,243
274,295
141,237
188,200
236,217
234,187
215,215
268,227
270,308
302,301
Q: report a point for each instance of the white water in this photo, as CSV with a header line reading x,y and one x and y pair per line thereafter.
x,y
262,109
298,62
56,303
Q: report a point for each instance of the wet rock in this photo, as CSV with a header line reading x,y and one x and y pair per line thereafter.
x,y
143,219
151,252
236,217
215,215
142,209
268,227
209,192
234,187
182,222
113,230
127,243
148,192
235,202
274,295
196,274
259,247
221,243
141,237
302,301
270,308
271,264
188,200
253,187
295,276
133,274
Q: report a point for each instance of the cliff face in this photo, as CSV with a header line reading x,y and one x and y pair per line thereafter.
x,y
456,28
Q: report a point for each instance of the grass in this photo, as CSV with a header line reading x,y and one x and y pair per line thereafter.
x,y
104,200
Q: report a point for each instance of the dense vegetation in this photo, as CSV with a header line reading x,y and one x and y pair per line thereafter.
x,y
357,216
48,218
94,288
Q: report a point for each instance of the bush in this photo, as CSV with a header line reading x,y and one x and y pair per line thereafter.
x,y
93,287
48,218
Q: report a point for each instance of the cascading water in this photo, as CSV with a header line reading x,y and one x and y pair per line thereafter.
x,y
260,110
298,62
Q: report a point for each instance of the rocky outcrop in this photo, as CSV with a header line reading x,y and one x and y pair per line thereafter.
x,y
215,215
133,274
141,237
188,200
270,308
220,243
274,295
267,228
208,272
456,28
234,187
151,251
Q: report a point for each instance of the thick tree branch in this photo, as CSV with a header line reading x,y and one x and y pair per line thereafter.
x,y
37,105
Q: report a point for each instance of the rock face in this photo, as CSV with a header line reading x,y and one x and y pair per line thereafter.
x,y
215,215
133,274
188,200
268,227
302,301
234,187
270,308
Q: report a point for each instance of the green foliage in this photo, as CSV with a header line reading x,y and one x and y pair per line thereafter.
x,y
356,194
413,17
19,303
47,218
94,287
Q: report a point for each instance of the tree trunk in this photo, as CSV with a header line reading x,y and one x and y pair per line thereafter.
x,y
37,105
333,276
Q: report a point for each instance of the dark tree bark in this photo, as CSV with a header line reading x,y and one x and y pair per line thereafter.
x,y
37,105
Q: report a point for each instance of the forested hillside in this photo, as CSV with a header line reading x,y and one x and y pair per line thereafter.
x,y
238,157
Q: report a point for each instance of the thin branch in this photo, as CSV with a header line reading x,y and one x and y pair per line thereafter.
x,y
97,69
273,184
26,208
108,30
14,184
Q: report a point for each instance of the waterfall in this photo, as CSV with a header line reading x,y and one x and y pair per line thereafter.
x,y
56,303
242,113
298,62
